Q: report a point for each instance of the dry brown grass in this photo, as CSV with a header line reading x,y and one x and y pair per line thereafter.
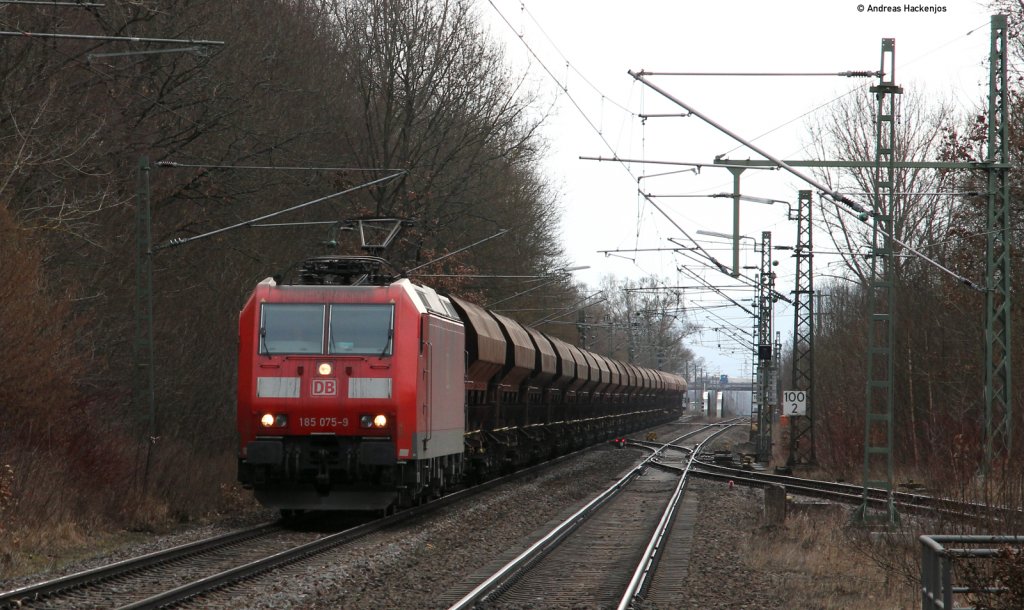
x,y
52,515
31,550
45,547
821,566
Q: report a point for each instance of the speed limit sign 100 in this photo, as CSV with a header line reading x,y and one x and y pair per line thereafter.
x,y
794,402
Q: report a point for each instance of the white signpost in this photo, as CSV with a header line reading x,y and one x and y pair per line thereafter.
x,y
794,402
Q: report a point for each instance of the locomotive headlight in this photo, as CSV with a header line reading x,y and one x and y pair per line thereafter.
x,y
366,421
269,420
325,368
380,421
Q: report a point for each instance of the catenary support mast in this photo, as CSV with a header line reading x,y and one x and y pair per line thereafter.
x,y
878,421
998,395
801,449
765,379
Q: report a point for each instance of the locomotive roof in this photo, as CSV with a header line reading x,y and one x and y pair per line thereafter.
x,y
424,298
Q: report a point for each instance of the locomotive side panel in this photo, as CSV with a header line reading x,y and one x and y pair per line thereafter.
x,y
441,413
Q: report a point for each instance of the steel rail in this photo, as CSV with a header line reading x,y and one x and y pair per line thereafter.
x,y
844,492
17,597
649,560
513,569
830,486
259,566
910,500
326,543
917,504
801,487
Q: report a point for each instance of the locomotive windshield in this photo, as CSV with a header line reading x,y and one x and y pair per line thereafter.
x,y
292,329
361,329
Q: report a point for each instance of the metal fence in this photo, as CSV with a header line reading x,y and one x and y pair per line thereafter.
x,y
952,570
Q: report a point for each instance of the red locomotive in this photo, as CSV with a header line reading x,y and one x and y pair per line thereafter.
x,y
357,396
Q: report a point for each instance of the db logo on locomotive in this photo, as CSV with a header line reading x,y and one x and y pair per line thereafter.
x,y
324,387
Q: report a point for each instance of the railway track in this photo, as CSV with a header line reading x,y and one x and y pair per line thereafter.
x,y
171,575
199,569
580,562
838,492
98,586
659,477
601,555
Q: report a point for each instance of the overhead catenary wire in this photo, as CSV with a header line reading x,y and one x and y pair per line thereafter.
x,y
184,240
738,328
862,213
568,64
694,287
616,157
23,34
748,280
298,224
89,66
462,249
286,168
847,74
692,274
578,305
852,90
695,164
55,3
838,197
602,137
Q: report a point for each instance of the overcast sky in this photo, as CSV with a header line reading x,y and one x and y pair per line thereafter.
x,y
587,47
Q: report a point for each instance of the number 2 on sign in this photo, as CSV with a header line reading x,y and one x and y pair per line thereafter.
x,y
795,401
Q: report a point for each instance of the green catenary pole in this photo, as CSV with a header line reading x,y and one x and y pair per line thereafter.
x,y
802,427
878,420
998,395
765,391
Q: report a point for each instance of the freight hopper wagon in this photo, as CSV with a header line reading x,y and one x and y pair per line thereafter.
x,y
371,397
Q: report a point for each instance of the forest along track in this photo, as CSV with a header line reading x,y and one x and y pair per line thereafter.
x,y
589,559
170,576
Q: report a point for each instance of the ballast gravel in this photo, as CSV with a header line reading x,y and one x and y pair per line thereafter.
x,y
420,563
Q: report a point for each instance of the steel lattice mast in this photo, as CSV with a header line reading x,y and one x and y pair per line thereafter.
x,y
801,449
878,420
765,391
998,395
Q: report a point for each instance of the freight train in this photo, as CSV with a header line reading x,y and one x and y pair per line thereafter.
x,y
357,391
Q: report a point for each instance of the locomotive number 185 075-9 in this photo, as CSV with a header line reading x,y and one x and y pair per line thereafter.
x,y
323,422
